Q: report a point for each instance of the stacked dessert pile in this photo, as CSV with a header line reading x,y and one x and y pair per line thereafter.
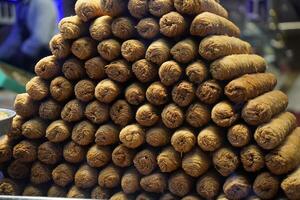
x,y
151,99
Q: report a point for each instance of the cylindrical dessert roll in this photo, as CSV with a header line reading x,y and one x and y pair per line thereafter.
x,y
87,10
47,68
135,94
75,192
180,184
72,27
85,177
63,174
130,181
109,49
122,156
239,135
207,23
18,170
58,131
266,185
49,153
208,186
33,190
73,111
98,156
16,128
84,48
158,52
286,157
160,7
109,177
196,72
144,71
120,196
216,46
158,136
168,196
118,71
107,134
50,110
209,92
226,161
61,89
183,93
236,187
168,160
250,86
83,133
262,108
53,191
9,187
34,128
199,6
56,191
145,161
133,50
172,116
40,173
147,115
291,184
172,24
270,135
73,69
37,88
132,136
252,158
195,163
112,8
6,149
25,106
234,66
155,183
94,68
100,193
85,90
74,153
198,115
169,73
107,91
184,51
100,28
157,94
97,112
123,28
121,113
210,138
148,28
183,140
224,114
59,46
138,8
145,196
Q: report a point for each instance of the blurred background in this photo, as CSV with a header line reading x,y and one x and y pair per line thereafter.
x,y
26,26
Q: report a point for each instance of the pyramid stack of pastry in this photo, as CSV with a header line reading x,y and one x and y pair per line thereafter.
x,y
151,99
